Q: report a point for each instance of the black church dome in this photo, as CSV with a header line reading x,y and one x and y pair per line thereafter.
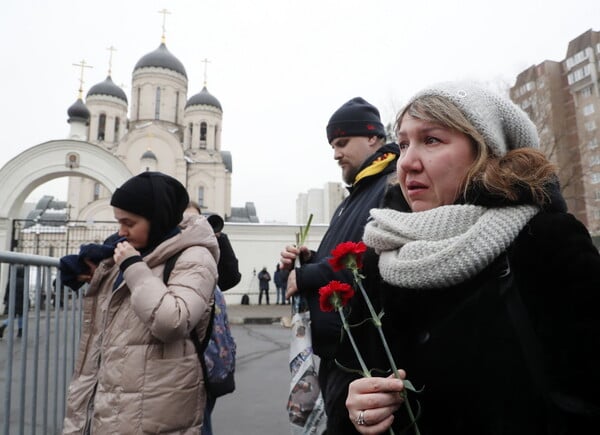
x,y
78,111
204,98
107,87
161,58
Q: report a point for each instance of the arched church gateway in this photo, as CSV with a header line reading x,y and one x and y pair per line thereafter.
x,y
50,160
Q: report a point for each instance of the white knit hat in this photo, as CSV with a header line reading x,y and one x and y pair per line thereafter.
x,y
503,124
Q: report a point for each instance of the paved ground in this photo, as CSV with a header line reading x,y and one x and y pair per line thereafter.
x,y
258,404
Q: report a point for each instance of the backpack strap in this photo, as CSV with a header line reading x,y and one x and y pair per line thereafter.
x,y
200,346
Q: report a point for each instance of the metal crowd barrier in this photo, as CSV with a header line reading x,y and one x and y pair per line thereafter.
x,y
35,369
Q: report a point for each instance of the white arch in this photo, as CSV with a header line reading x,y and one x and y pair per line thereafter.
x,y
47,161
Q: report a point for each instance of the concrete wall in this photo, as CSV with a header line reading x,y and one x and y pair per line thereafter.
x,y
258,245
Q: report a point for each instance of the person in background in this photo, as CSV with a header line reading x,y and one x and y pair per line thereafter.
x,y
280,278
490,288
357,137
263,284
19,290
229,276
228,265
137,370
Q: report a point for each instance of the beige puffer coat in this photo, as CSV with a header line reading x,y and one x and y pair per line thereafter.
x,y
137,370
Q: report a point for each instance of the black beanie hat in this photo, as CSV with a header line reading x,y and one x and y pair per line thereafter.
x,y
355,118
158,197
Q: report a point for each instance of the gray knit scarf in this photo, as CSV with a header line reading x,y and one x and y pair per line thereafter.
x,y
444,246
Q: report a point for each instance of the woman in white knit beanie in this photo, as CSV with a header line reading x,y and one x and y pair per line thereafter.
x,y
490,288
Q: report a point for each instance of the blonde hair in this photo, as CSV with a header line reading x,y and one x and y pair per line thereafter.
x,y
508,175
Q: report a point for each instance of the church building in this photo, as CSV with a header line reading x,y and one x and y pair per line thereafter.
x,y
160,128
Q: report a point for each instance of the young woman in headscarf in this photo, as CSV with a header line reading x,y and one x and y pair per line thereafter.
x,y
490,288
137,370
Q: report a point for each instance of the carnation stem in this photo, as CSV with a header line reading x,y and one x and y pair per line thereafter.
x,y
377,323
361,361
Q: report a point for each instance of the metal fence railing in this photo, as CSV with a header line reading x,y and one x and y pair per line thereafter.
x,y
37,352
54,240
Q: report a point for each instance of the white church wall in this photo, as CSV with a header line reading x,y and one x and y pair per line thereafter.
x,y
162,143
197,115
171,107
258,245
113,108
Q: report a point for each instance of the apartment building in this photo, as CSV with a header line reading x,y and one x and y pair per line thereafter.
x,y
321,203
563,100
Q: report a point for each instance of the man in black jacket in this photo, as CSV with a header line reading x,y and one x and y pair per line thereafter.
x,y
357,137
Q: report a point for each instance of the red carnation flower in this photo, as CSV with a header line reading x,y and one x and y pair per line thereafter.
x,y
347,254
334,295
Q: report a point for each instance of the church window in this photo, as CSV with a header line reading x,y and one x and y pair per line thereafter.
x,y
101,126
191,131
117,124
96,191
216,135
157,104
203,135
137,105
201,196
176,106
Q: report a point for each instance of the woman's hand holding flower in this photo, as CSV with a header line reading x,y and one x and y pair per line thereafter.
x,y
390,393
377,399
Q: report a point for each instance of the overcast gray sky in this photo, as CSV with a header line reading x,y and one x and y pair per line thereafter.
x,y
278,67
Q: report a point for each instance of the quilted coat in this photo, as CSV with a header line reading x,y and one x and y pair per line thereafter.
x,y
137,370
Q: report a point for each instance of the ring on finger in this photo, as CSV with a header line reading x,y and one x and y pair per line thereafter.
x,y
360,420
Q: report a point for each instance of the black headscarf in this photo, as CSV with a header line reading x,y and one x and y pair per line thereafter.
x,y
159,198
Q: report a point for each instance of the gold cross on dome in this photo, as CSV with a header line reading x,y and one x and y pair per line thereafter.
x,y
82,65
205,61
112,50
164,13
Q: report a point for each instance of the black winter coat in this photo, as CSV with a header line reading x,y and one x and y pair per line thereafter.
x,y
229,272
347,224
460,345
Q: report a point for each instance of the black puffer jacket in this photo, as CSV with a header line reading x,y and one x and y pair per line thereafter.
x,y
460,344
